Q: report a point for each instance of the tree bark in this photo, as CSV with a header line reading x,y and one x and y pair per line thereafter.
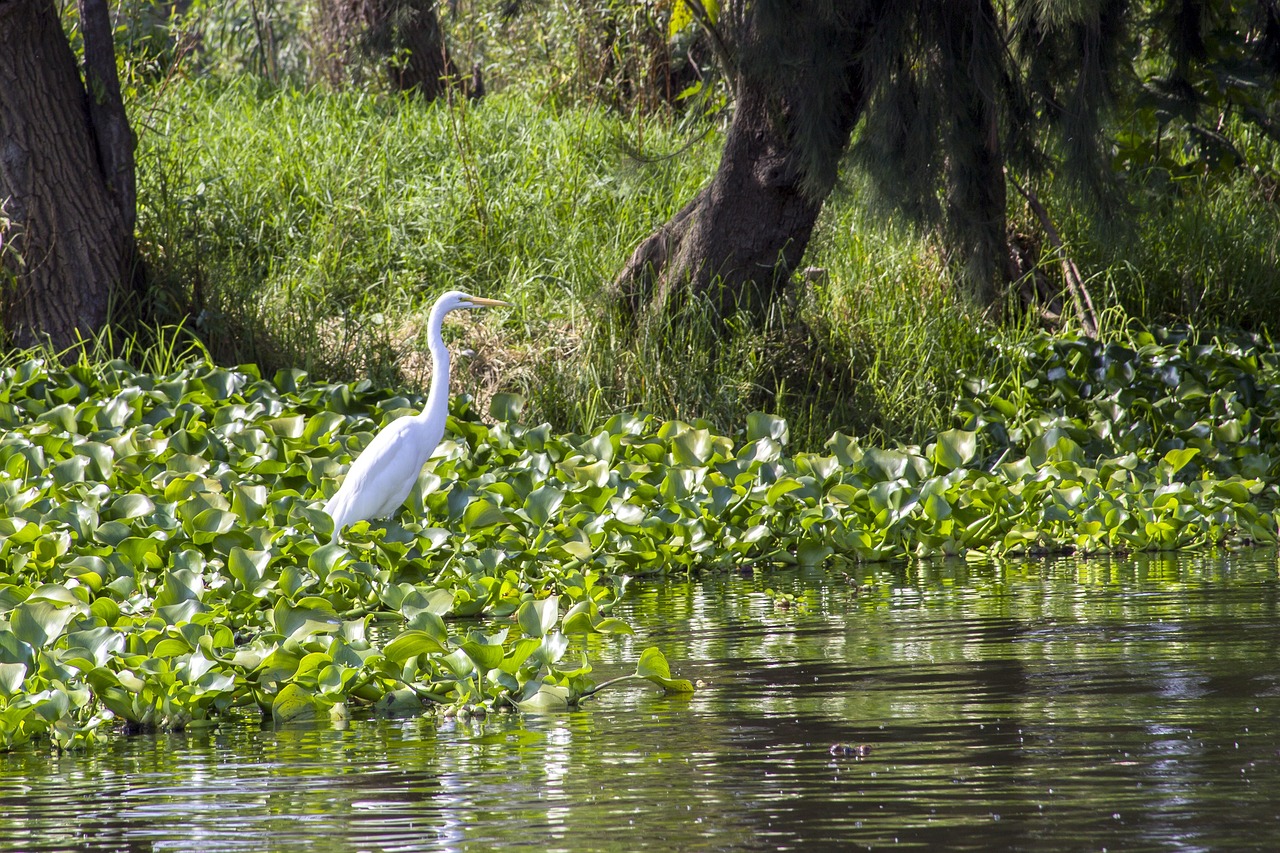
x,y
67,246
402,37
423,65
737,241
114,138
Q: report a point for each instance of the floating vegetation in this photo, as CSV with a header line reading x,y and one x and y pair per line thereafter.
x,y
164,560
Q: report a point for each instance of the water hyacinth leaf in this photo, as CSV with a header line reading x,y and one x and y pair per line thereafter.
x,y
70,470
955,448
692,447
11,677
410,644
99,644
131,506
546,697
459,663
1178,459
248,567
298,623
326,558
485,652
761,425
885,465
482,513
293,703
506,407
653,666
580,618
210,524
38,622
551,650
403,702
537,617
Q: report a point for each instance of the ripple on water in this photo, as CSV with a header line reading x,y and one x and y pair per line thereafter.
x,y
1032,706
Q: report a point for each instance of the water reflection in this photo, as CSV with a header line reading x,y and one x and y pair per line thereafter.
x,y
1125,704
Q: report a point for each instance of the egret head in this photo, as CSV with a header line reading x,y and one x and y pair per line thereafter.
x,y
455,299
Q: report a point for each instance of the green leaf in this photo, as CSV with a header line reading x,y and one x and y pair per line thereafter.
x,y
11,677
132,506
955,448
760,425
40,622
506,407
1176,460
482,513
410,644
548,697
537,617
653,666
542,503
485,656
293,703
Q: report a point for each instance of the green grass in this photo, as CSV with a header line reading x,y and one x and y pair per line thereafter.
x,y
312,229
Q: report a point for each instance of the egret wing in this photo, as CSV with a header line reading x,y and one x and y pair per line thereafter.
x,y
384,473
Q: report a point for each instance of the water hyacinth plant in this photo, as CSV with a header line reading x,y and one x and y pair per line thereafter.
x,y
164,560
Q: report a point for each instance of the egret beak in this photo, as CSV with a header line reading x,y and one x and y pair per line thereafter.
x,y
480,301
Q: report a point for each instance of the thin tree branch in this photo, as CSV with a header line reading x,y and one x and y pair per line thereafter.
x,y
1085,313
721,50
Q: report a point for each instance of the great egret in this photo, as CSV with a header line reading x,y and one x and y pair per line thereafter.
x,y
383,475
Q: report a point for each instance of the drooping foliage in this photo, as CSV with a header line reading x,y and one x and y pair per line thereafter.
x,y
952,94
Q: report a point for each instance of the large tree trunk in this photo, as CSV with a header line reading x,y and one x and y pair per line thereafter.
x,y
738,240
401,37
65,237
424,65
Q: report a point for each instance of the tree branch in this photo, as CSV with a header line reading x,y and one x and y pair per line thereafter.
x,y
1085,314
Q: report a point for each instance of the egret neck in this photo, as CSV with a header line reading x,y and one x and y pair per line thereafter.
x,y
438,396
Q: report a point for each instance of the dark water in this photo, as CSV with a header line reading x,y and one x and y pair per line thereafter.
x,y
1118,704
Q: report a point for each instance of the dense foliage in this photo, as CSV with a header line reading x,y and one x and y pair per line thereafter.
x,y
163,558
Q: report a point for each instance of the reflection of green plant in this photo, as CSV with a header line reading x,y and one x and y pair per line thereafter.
x,y
786,600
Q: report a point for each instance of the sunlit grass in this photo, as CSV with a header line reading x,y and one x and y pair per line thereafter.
x,y
311,229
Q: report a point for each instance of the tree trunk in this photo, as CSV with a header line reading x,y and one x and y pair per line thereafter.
x,y
401,37
65,244
422,63
737,241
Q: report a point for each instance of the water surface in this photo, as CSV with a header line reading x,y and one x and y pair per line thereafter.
x,y
1068,704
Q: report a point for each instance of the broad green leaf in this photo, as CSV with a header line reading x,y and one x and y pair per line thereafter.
x,y
548,697
11,677
653,666
955,448
482,513
506,407
542,504
537,617
40,622
293,703
760,425
410,644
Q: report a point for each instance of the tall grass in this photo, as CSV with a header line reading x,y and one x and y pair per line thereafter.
x,y
313,229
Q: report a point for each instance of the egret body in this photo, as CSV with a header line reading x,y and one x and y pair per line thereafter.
x,y
383,475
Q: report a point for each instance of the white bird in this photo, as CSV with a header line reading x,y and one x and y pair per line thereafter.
x,y
383,475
